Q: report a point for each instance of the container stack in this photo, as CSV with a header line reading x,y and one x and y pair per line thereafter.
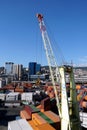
x,y
41,120
12,96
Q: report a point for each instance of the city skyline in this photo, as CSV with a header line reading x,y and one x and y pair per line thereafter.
x,y
20,36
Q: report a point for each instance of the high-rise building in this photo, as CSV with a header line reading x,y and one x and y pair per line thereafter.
x,y
20,72
34,68
9,67
17,71
2,70
38,68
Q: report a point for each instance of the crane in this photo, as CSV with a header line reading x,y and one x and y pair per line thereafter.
x,y
68,110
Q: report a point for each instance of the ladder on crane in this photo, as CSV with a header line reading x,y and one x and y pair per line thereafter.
x,y
68,110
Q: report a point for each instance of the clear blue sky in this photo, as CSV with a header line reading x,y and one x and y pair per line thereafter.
x,y
20,37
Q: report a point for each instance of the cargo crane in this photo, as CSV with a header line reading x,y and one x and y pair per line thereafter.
x,y
68,109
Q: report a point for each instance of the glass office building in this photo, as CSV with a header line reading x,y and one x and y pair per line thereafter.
x,y
34,68
9,67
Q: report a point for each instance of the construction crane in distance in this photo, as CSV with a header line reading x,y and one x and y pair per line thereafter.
x,y
68,110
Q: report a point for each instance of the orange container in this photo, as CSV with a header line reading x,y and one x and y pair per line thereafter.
x,y
19,90
24,115
85,97
32,125
37,119
84,104
39,106
78,87
45,127
46,117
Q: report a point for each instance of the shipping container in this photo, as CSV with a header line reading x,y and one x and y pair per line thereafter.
x,y
21,90
25,115
13,104
54,117
45,104
84,104
83,119
32,124
31,109
2,96
46,127
12,96
85,97
78,87
21,124
37,119
27,96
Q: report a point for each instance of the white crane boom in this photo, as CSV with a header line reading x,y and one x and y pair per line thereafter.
x,y
50,57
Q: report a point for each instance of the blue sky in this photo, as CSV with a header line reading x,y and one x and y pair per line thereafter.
x,y
20,37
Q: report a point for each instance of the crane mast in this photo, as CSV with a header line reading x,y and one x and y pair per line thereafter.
x,y
68,111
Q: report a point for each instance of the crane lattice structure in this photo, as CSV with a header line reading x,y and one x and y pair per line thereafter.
x,y
50,57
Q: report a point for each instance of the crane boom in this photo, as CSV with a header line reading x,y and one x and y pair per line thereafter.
x,y
50,56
